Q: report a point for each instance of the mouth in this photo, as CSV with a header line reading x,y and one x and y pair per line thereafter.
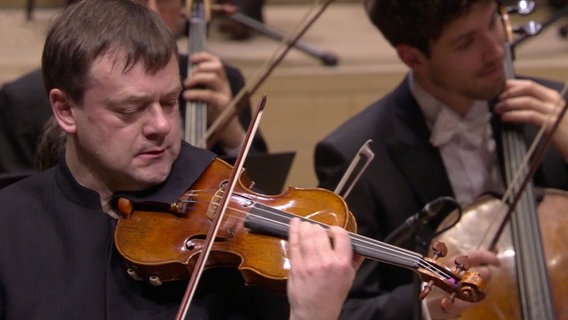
x,y
153,153
494,71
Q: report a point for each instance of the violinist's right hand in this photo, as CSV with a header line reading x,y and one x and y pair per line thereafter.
x,y
482,261
322,269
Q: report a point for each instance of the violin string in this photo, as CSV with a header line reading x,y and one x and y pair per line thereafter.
x,y
281,219
371,244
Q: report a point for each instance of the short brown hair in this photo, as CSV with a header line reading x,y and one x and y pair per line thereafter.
x,y
89,29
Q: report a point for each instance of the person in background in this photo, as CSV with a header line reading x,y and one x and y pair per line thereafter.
x,y
454,51
24,106
111,73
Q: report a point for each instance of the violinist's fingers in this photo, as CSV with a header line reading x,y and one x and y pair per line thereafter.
x,y
316,244
316,256
294,239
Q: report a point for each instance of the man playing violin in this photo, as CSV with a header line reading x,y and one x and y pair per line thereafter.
x,y
24,105
111,71
455,54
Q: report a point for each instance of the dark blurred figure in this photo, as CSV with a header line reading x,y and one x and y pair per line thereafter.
x,y
250,8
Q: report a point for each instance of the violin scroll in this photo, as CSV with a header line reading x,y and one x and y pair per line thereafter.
x,y
460,283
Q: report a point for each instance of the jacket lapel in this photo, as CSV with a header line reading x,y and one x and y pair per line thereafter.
x,y
418,161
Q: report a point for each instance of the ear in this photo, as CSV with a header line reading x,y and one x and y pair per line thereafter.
x,y
411,56
62,107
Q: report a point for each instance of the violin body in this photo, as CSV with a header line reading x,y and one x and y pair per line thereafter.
x,y
164,245
502,292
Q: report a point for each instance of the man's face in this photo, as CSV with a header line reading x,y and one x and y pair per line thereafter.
x,y
466,62
127,128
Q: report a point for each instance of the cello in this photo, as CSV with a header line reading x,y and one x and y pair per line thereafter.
x,y
529,239
195,119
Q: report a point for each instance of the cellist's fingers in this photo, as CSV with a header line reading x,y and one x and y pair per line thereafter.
x,y
525,101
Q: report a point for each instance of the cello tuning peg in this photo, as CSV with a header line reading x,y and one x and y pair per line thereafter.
x,y
439,250
462,263
447,302
426,290
523,7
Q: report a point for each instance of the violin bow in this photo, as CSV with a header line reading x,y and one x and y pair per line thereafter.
x,y
368,155
238,102
220,213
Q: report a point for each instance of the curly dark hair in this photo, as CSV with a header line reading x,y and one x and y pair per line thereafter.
x,y
415,22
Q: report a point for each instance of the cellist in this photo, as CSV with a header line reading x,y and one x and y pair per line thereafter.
x,y
111,70
435,135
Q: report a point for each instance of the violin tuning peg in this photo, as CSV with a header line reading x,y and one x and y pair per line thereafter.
x,y
426,290
439,249
462,263
447,302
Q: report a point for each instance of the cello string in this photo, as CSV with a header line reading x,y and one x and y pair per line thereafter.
x,y
539,140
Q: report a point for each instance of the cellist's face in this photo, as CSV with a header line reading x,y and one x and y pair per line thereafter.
x,y
170,11
466,62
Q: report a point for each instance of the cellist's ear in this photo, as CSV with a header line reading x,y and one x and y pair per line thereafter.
x,y
411,56
62,107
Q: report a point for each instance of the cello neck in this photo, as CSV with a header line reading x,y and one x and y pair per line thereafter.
x,y
195,120
532,272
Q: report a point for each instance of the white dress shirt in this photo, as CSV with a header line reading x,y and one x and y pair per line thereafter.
x,y
466,145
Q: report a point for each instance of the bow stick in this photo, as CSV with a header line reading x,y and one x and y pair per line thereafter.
x,y
220,213
238,103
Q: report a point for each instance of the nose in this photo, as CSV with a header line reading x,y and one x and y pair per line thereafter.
x,y
158,124
494,46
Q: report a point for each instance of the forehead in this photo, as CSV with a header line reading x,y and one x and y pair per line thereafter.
x,y
477,18
112,67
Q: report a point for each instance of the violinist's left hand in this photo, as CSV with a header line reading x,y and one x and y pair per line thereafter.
x,y
208,83
322,269
525,101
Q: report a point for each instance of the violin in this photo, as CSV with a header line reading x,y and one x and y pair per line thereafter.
x,y
160,242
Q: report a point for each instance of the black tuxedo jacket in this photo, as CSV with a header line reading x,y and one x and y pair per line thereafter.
x,y
406,173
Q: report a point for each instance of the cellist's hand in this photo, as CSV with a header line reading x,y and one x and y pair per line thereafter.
x,y
322,269
208,83
525,101
482,261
